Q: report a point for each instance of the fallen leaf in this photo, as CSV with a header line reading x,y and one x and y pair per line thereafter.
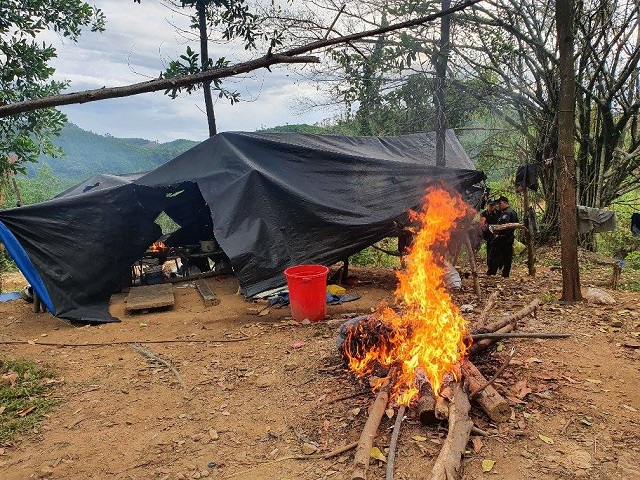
x,y
143,324
25,411
354,412
487,465
515,401
586,422
263,312
546,439
521,390
500,347
297,344
377,454
477,444
2,409
419,438
9,379
389,412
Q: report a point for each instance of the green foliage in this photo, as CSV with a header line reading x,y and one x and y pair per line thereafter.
x,y
371,257
31,390
632,260
87,153
233,20
44,185
620,243
25,72
326,129
166,223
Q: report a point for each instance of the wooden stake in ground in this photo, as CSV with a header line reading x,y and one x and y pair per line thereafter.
x,y
363,451
447,466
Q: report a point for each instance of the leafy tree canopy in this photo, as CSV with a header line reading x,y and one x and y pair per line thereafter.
x,y
25,72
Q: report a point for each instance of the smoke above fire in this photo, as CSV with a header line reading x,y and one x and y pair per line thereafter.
x,y
420,337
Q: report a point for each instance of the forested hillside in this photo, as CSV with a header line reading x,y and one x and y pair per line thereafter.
x,y
87,153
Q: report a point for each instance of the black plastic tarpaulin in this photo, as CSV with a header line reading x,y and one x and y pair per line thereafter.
x,y
275,200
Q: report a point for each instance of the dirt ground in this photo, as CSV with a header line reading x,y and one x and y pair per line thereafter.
x,y
249,404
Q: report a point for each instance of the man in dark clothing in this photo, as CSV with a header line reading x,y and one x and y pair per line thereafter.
x,y
489,217
501,254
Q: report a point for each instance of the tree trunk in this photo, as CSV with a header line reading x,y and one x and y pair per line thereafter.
x,y
565,162
440,64
204,57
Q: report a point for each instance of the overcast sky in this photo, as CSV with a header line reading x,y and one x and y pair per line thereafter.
x,y
137,45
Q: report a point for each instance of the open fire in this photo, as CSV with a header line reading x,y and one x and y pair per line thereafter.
x,y
421,337
158,247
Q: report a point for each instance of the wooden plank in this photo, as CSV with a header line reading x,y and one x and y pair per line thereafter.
x,y
150,296
207,295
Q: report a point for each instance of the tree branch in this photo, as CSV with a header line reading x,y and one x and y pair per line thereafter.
x,y
290,56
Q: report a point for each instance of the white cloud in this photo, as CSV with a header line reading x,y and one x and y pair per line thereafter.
x,y
138,42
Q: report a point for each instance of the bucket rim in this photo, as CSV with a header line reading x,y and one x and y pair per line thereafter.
x,y
293,270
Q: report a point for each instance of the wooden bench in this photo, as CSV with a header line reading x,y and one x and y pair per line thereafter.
x,y
601,260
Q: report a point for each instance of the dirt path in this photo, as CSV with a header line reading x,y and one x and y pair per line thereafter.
x,y
248,404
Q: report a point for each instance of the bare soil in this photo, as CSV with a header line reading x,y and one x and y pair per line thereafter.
x,y
249,404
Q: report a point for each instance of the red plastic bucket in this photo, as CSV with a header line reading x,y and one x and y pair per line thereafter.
x,y
307,292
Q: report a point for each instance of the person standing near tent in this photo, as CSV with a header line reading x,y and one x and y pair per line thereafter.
x,y
488,217
501,253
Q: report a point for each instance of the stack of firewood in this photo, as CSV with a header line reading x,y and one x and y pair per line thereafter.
x,y
453,402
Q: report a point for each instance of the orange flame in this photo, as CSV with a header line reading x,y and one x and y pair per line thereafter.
x,y
158,247
426,337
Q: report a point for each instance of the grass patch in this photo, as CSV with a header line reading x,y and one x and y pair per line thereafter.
x,y
31,388
633,286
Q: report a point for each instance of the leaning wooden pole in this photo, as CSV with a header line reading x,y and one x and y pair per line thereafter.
x,y
363,451
498,324
447,466
472,262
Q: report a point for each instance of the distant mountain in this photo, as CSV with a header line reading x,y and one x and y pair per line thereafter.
x,y
87,153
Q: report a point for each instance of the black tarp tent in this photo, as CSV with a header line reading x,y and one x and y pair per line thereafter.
x,y
272,200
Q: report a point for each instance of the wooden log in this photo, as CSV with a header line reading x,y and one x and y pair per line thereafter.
x,y
488,399
482,345
207,295
431,410
491,302
447,466
363,450
498,324
506,226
